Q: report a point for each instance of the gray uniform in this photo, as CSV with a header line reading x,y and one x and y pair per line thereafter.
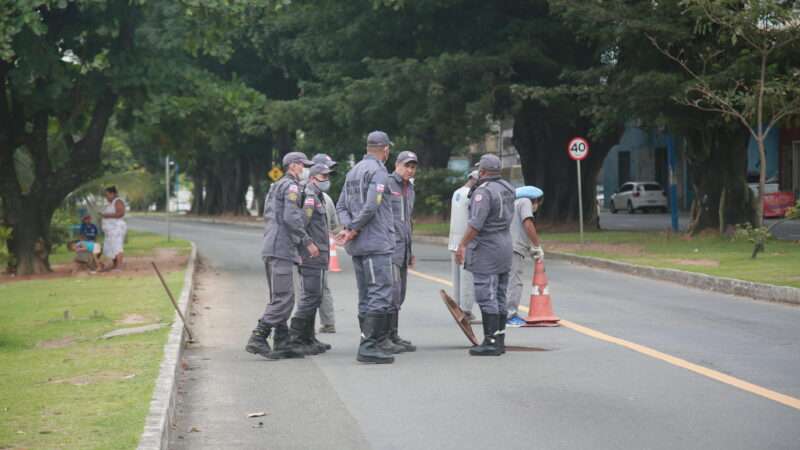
x,y
284,232
489,255
402,197
313,270
326,314
361,207
523,210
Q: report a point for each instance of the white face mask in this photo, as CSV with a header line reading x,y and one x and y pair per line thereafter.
x,y
304,174
324,186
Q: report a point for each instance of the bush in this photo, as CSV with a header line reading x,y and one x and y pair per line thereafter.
x,y
434,188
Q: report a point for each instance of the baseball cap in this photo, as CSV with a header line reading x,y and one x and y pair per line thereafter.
x,y
319,169
529,192
296,157
488,162
378,138
406,156
322,158
473,175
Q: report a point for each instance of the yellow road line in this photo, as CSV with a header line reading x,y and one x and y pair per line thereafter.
x,y
769,394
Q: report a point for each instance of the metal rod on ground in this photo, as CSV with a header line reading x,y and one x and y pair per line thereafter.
x,y
166,288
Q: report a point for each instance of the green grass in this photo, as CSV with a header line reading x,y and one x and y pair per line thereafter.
x,y
779,265
432,229
89,393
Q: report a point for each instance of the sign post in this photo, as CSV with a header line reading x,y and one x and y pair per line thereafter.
x,y
578,150
166,203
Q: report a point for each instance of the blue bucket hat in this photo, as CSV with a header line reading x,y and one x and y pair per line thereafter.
x,y
529,192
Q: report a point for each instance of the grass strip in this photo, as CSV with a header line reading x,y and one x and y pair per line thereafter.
x,y
61,387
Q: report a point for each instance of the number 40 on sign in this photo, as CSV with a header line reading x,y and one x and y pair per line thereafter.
x,y
578,150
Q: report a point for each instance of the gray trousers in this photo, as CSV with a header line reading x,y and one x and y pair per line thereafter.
x,y
399,286
326,314
280,282
463,289
312,284
374,281
490,291
515,284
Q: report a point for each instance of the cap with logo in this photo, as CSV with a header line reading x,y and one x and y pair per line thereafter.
x,y
488,162
322,158
406,156
378,139
319,169
296,157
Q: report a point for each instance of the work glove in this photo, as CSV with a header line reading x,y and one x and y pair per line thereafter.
x,y
537,252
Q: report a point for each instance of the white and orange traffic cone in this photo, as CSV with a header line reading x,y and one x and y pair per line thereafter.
x,y
333,261
540,311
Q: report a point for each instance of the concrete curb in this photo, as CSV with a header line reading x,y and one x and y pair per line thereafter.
x,y
157,424
758,291
181,218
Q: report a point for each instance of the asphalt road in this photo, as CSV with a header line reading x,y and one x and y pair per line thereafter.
x,y
622,221
579,391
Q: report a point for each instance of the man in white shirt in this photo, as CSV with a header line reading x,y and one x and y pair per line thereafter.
x,y
459,215
526,244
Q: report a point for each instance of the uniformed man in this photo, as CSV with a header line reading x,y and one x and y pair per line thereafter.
x,y
486,251
284,232
402,196
327,317
312,269
368,237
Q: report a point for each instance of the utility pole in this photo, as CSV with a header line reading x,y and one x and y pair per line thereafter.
x,y
166,203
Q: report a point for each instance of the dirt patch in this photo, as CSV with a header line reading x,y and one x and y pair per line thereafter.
x,y
168,260
615,249
696,262
101,377
134,319
56,343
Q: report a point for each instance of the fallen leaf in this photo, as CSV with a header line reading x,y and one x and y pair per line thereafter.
x,y
194,430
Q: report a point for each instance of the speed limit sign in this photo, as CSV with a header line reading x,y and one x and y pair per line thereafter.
x,y
578,149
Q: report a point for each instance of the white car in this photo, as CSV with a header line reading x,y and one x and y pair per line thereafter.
x,y
639,195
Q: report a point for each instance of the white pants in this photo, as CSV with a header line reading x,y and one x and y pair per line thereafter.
x,y
516,285
463,286
114,241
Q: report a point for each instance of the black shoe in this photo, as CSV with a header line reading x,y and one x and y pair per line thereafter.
x,y
258,344
283,348
299,337
374,327
321,347
394,337
489,345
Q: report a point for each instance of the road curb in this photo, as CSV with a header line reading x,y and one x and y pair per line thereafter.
x,y
157,424
183,218
757,291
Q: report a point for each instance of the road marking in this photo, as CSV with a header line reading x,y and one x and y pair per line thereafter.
x,y
783,399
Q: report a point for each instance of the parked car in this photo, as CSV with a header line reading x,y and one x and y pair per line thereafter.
x,y
639,196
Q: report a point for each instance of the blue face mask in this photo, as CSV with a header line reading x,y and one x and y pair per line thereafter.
x,y
324,186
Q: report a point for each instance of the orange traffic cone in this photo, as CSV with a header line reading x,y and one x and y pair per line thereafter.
x,y
333,262
540,312
539,275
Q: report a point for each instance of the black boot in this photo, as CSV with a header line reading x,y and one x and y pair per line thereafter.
x,y
489,345
319,345
299,337
373,329
361,324
258,344
500,336
283,347
394,337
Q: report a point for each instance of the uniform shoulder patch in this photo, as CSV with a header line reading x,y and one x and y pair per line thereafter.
x,y
380,188
309,201
478,197
294,188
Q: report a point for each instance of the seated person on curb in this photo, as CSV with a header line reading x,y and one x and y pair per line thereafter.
x,y
87,253
88,231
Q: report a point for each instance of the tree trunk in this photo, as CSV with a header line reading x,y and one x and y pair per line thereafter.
x,y
762,180
541,137
198,182
432,153
722,153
